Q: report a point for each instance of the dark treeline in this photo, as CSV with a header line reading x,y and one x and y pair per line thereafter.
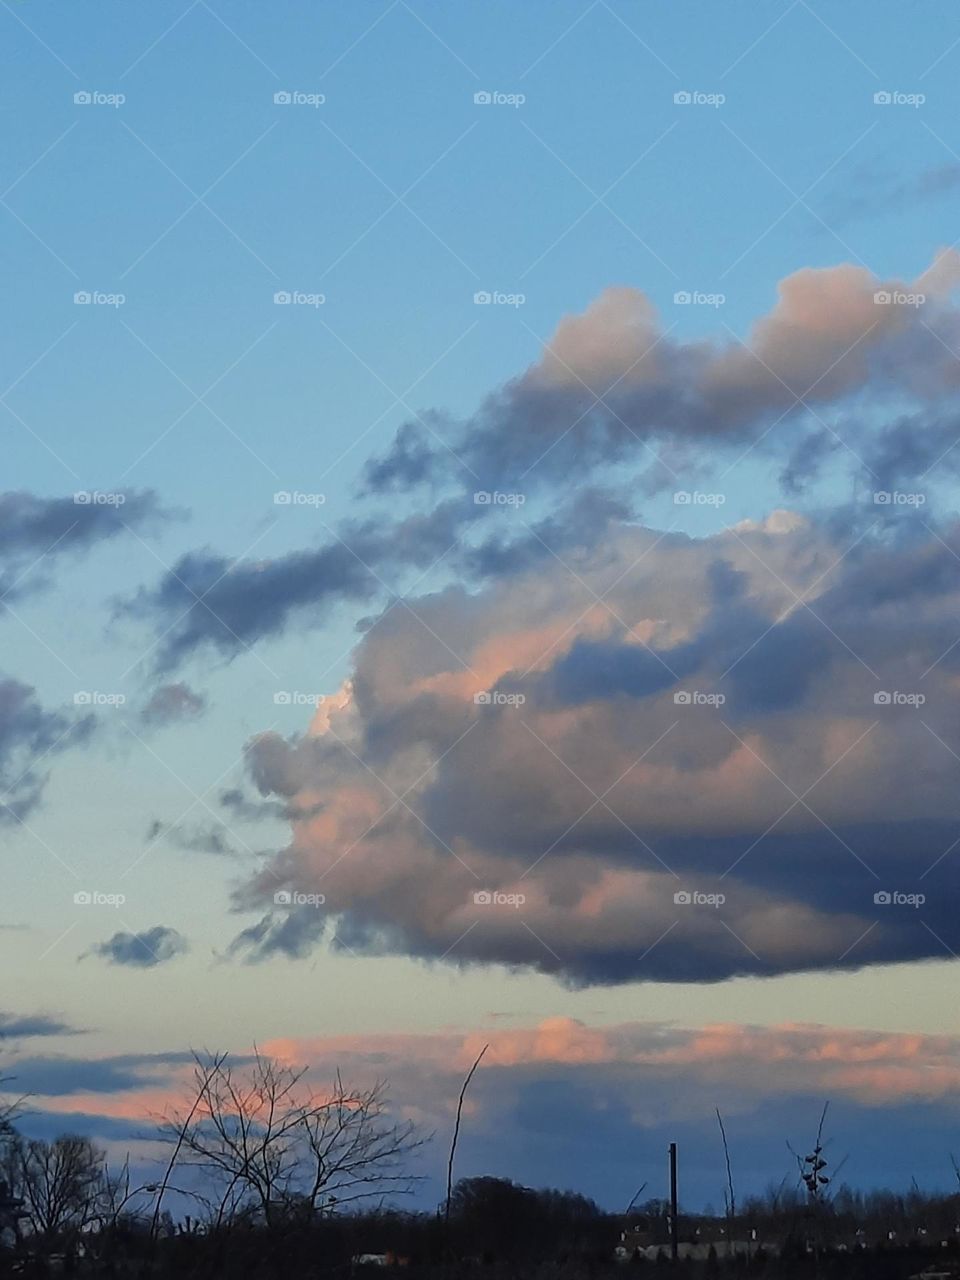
x,y
257,1176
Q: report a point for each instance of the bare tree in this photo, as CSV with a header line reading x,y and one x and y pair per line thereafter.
x,y
271,1149
63,1184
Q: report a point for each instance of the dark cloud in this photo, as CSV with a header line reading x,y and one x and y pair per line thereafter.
x,y
35,532
173,702
200,838
24,1026
142,950
61,1076
30,736
713,727
612,389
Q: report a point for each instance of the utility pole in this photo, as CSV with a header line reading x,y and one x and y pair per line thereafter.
x,y
674,1250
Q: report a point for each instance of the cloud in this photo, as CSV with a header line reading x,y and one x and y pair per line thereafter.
x,y
560,1102
681,716
29,734
142,950
210,838
23,1026
583,716
739,1063
170,703
35,532
612,384
612,388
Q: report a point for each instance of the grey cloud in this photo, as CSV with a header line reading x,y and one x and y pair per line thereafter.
x,y
142,950
172,702
506,797
35,532
22,1026
29,734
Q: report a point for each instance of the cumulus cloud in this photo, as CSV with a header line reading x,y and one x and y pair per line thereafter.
x,y
612,384
142,950
650,755
681,717
612,388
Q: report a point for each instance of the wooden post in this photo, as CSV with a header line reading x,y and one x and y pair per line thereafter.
x,y
674,1237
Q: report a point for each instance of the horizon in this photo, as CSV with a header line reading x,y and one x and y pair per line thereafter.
x,y
479,562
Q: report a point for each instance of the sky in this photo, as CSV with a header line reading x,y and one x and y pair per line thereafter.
x,y
479,563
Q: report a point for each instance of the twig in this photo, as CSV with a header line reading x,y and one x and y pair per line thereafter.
x,y
453,1144
726,1155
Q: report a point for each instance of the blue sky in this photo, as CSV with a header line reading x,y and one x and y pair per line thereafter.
x,y
398,198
